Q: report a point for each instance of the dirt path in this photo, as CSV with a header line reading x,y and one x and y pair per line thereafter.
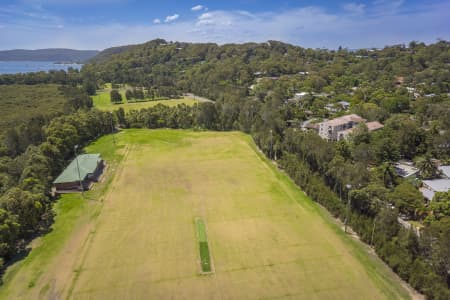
x,y
82,252
199,98
61,272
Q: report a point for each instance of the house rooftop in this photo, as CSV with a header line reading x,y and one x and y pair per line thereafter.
x,y
405,169
445,170
344,120
427,193
86,162
309,124
374,125
438,185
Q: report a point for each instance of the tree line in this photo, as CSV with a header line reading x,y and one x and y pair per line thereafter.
x,y
405,87
325,170
31,156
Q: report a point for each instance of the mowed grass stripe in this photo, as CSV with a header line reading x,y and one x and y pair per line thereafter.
x,y
201,230
205,257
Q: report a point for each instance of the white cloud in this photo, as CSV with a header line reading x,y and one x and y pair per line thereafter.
x,y
205,16
354,8
31,14
386,7
308,26
205,19
197,8
218,18
156,21
171,18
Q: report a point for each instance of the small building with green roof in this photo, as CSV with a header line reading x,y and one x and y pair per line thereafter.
x,y
79,174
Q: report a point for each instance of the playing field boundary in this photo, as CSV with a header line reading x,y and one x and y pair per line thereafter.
x,y
185,214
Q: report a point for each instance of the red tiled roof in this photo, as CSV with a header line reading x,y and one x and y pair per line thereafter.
x,y
344,120
374,125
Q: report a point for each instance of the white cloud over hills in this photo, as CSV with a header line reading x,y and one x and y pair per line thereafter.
x,y
355,25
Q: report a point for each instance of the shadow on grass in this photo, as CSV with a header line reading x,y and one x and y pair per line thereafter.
x,y
24,247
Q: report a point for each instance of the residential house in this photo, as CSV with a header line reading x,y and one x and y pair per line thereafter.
x,y
445,170
331,129
323,95
345,105
300,96
340,128
310,125
331,108
406,169
430,187
375,125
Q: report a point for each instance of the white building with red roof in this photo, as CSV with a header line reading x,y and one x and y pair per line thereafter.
x,y
340,128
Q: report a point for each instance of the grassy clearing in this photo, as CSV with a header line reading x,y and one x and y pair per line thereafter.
x,y
102,101
205,259
263,231
26,273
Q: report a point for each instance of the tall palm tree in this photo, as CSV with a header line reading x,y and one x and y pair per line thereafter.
x,y
427,168
388,174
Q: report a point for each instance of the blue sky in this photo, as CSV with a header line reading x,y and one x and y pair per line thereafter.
x,y
98,24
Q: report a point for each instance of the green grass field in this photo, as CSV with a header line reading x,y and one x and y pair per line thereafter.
x,y
103,102
136,238
205,257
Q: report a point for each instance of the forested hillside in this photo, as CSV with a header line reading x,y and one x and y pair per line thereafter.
x,y
268,90
107,53
211,70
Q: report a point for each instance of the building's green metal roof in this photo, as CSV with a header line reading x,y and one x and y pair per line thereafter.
x,y
88,164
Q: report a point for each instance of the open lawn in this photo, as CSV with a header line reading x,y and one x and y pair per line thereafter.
x,y
136,235
103,102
